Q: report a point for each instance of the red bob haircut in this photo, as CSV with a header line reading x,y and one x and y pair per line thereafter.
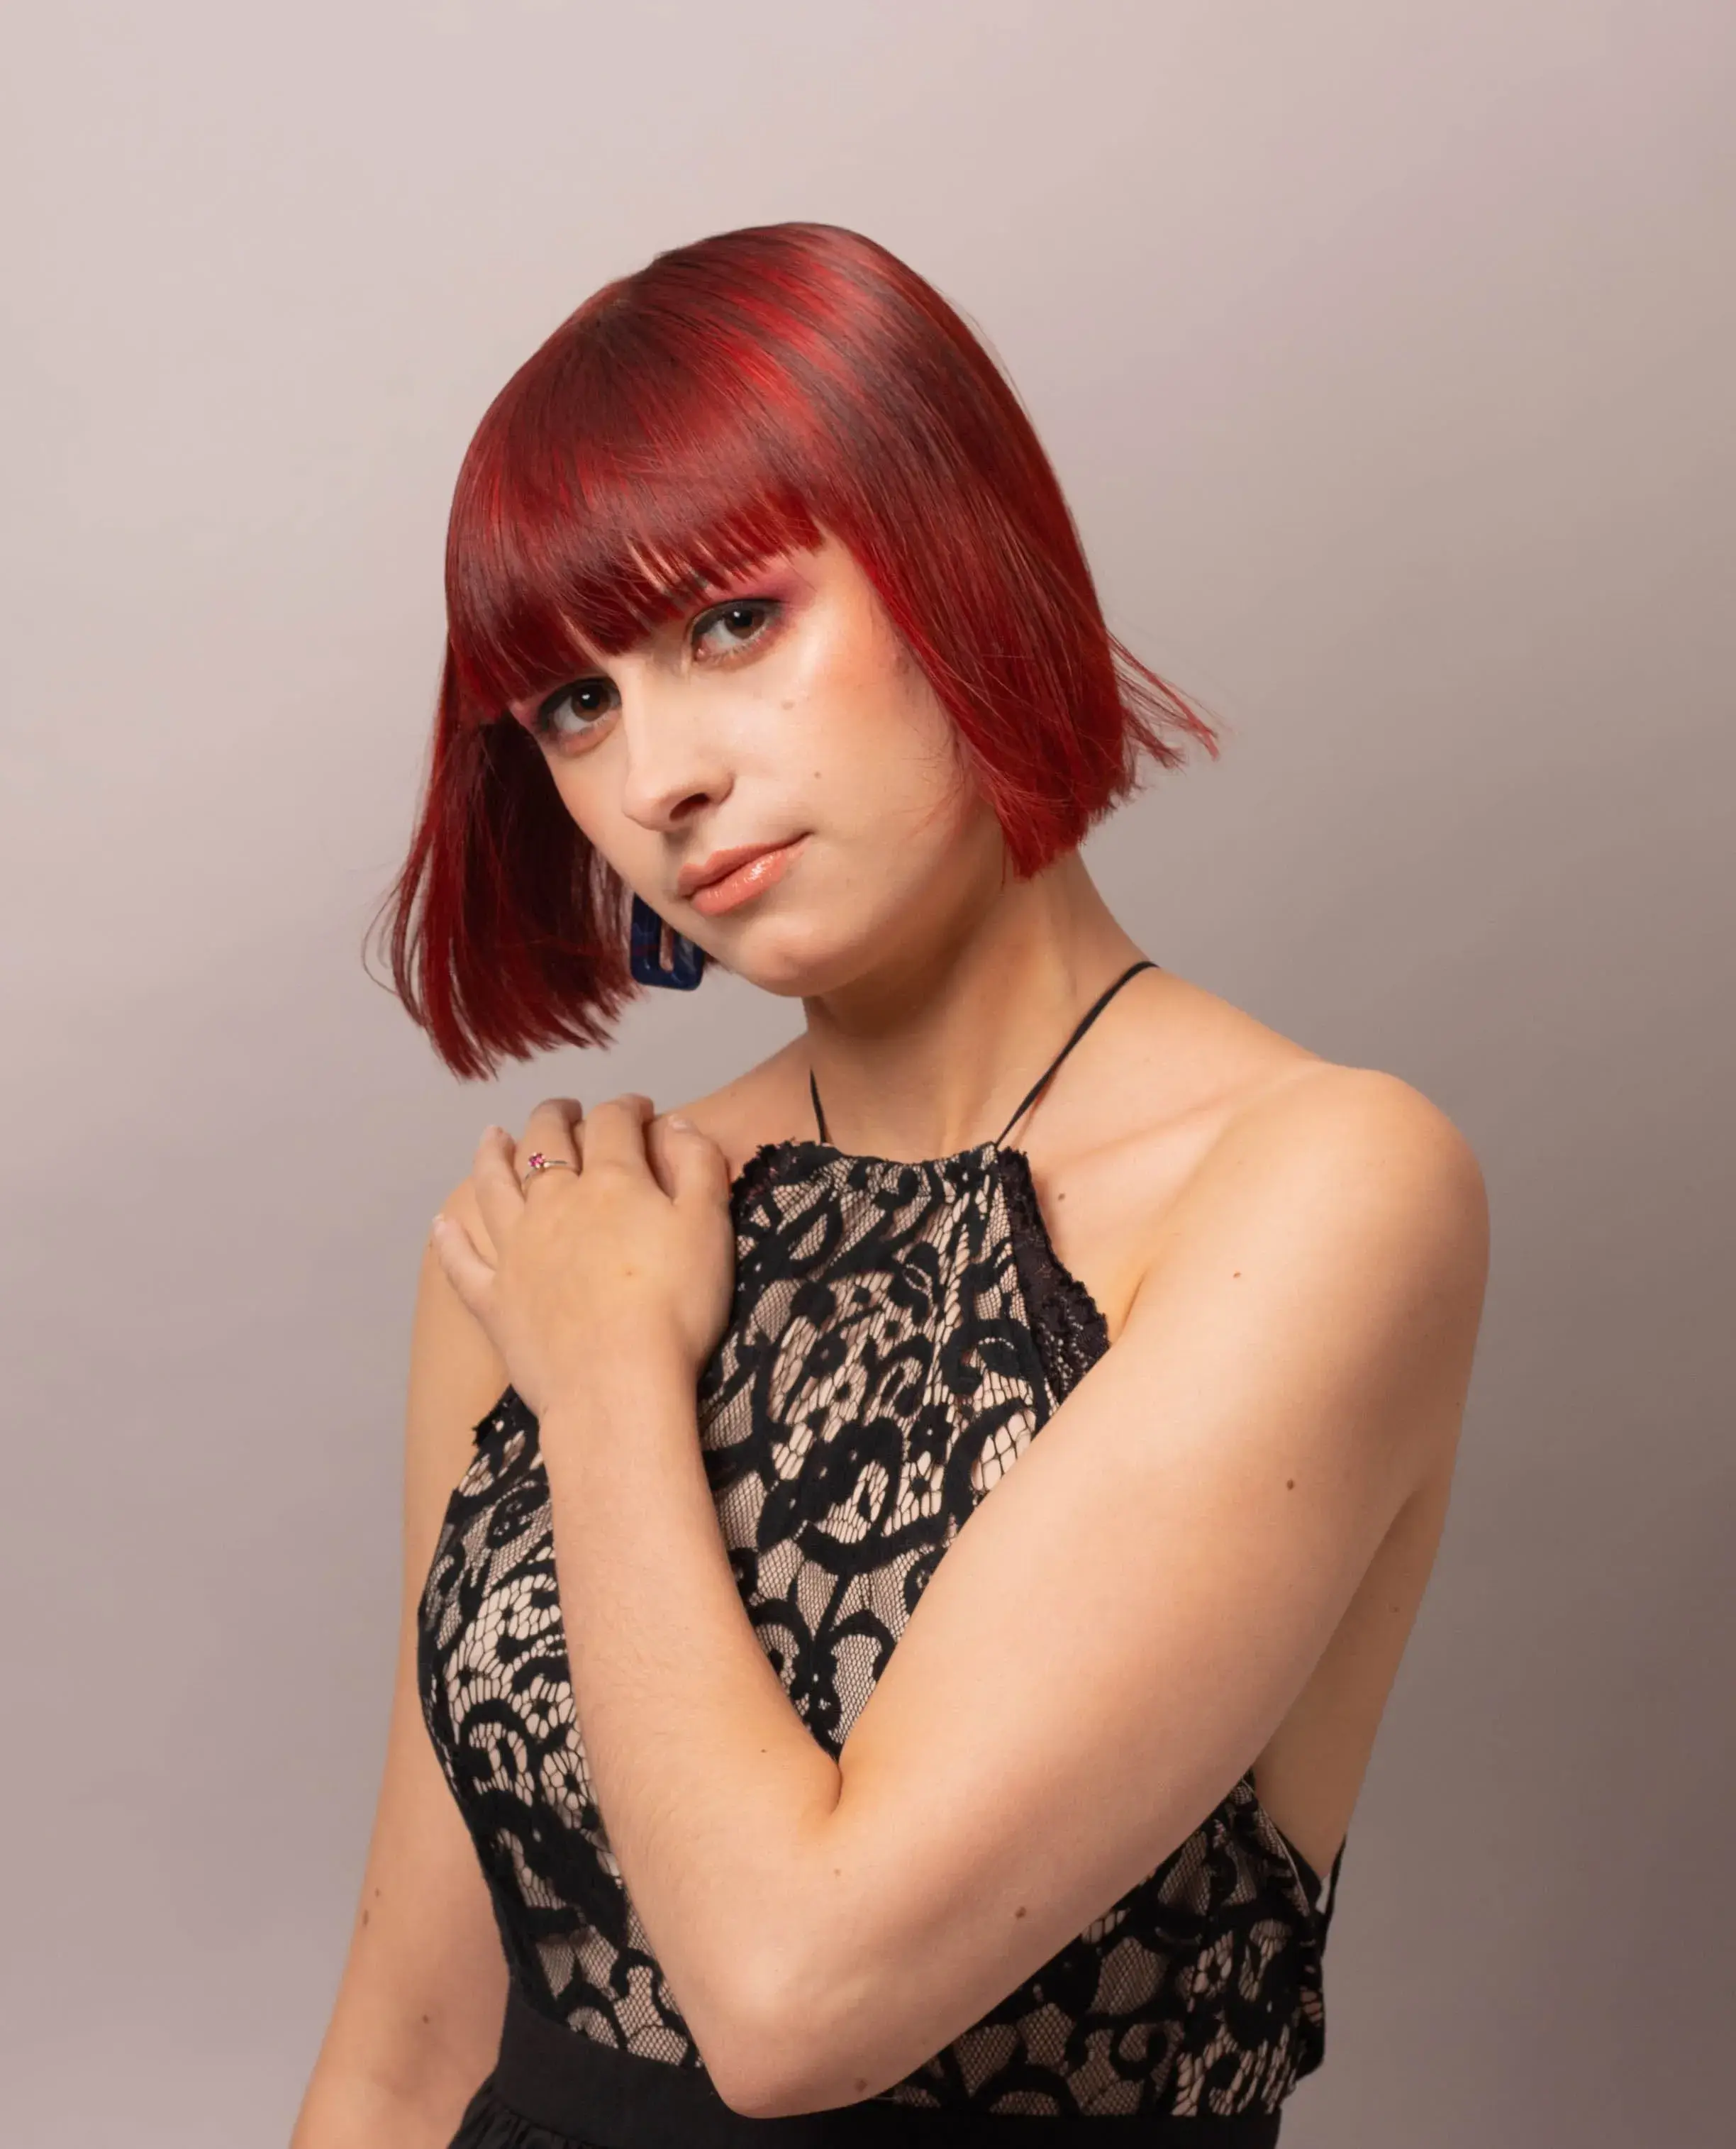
x,y
735,398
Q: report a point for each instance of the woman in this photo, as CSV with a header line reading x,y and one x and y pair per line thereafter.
x,y
767,617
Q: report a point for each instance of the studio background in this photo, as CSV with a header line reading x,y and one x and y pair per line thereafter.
x,y
1385,355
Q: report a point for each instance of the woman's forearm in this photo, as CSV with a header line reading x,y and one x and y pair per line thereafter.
x,y
712,1791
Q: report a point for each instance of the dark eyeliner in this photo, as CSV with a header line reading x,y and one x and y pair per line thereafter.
x,y
771,605
549,702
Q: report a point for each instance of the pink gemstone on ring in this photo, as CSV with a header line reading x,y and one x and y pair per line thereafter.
x,y
534,1162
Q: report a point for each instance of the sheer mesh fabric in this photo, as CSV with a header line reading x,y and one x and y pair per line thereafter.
x,y
899,1334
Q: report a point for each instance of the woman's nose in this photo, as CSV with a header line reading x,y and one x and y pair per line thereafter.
x,y
673,769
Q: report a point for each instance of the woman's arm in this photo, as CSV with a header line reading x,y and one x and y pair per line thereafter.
x,y
1111,1638
417,2018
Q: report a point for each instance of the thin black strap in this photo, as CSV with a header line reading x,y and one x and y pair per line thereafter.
x,y
1086,1020
1043,1080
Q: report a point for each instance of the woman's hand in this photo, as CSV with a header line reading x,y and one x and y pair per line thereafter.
x,y
632,1252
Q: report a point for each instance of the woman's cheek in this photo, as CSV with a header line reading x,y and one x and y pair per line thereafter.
x,y
586,794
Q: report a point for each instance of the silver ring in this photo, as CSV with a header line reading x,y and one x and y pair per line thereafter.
x,y
538,1162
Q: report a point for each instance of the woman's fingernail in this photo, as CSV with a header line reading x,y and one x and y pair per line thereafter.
x,y
675,1120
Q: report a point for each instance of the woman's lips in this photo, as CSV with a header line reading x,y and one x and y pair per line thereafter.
x,y
745,881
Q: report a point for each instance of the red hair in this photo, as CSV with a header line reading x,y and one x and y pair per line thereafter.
x,y
735,398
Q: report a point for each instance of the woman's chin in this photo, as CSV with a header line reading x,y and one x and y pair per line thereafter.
x,y
794,963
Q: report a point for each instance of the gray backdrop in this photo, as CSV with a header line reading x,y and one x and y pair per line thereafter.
x,y
1385,353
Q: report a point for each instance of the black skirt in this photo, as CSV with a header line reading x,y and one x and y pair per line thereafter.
x,y
553,2089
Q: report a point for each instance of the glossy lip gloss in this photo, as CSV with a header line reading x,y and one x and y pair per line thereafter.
x,y
747,880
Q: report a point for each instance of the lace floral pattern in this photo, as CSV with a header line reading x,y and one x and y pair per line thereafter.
x,y
900,1332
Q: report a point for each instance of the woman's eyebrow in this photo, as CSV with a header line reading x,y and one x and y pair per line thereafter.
x,y
725,579
689,593
533,702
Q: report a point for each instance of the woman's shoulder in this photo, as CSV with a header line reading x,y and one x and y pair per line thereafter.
x,y
1188,1095
766,1102
1174,1075
1188,1068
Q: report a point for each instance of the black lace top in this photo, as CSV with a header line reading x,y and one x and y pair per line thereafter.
x,y
899,1334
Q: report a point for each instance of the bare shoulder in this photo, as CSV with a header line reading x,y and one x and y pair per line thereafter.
x,y
1350,1165
1187,1052
1193,1116
766,1102
1355,1212
1370,1134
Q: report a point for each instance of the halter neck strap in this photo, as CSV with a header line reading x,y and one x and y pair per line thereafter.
x,y
1043,1080
1084,1022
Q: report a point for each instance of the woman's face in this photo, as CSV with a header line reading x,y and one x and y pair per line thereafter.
x,y
772,773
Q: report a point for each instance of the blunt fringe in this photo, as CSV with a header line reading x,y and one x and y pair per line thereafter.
x,y
734,398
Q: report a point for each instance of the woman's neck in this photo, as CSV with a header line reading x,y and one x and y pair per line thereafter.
x,y
929,1055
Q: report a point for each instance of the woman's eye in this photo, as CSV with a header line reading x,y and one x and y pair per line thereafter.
x,y
736,625
586,700
579,707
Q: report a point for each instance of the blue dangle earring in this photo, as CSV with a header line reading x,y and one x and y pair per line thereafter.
x,y
659,955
